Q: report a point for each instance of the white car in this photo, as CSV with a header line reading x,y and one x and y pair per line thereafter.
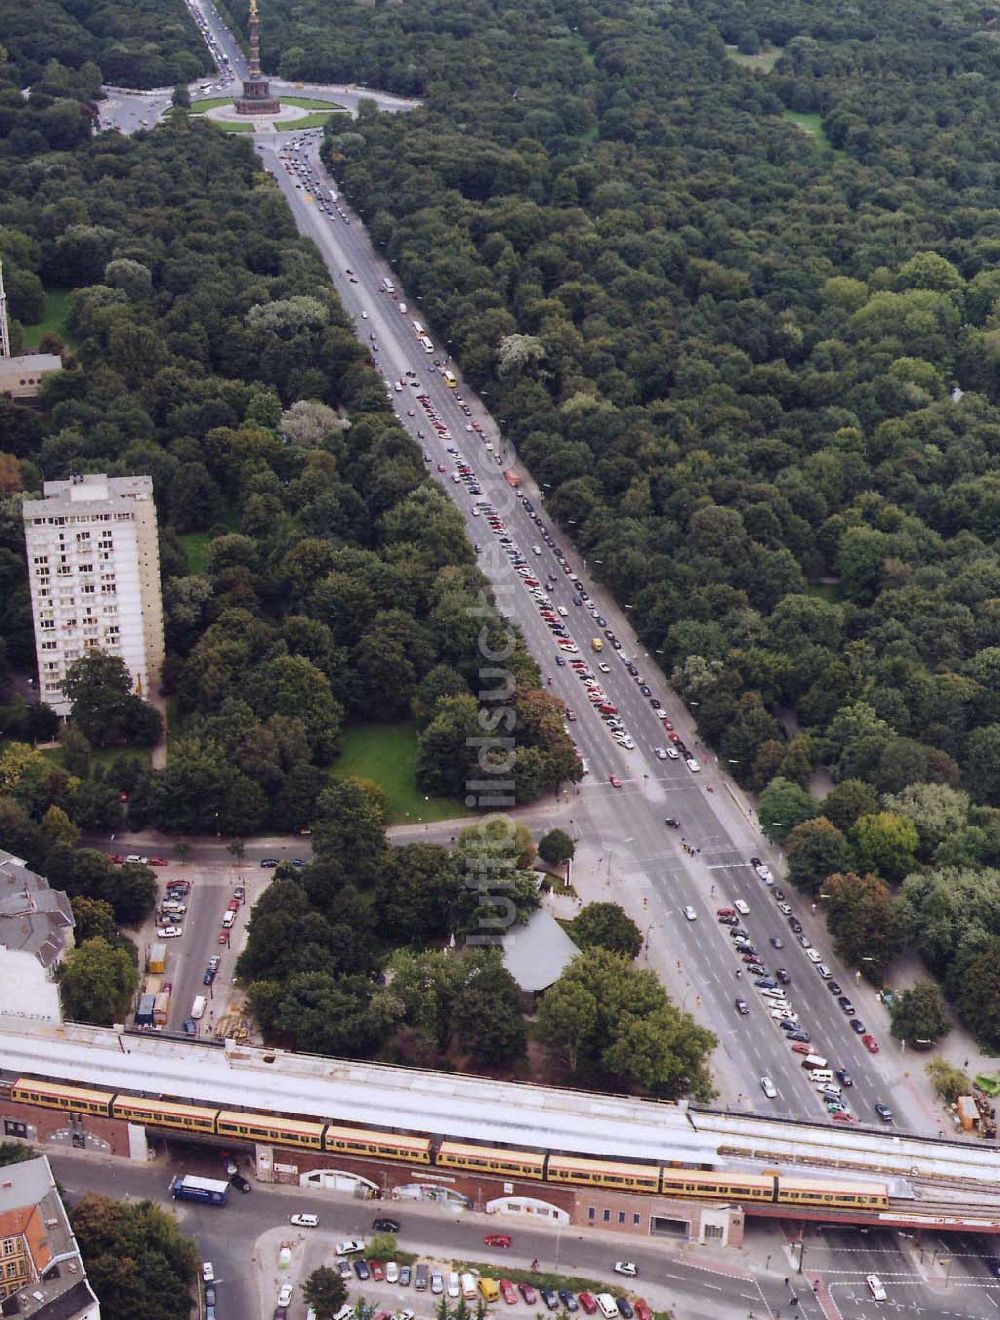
x,y
741,905
536,549
605,669
207,1272
626,1267
661,753
364,316
305,1221
673,753
169,932
876,1287
134,859
693,765
768,1087
690,913
391,1272
285,1295
350,1247
814,955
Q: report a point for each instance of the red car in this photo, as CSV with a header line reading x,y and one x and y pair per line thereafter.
x,y
497,1239
507,1292
223,936
870,1044
667,725
675,737
528,1293
798,1048
641,1309
159,861
614,781
233,905
180,886
377,1269
843,1118
117,858
587,1303
442,468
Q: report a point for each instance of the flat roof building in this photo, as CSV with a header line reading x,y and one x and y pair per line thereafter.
x,y
94,569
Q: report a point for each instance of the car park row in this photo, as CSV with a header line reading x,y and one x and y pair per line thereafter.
x,y
829,1083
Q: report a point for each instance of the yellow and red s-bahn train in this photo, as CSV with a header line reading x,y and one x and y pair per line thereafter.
x,y
499,1161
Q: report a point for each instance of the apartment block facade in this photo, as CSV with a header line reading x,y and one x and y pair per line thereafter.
x,y
94,568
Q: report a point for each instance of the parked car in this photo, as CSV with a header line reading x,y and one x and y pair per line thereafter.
x,y
624,1308
361,1270
550,1297
508,1292
568,1300
528,1293
240,1182
587,1303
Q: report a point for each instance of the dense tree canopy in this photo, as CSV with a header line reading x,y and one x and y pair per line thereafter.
x,y
136,1258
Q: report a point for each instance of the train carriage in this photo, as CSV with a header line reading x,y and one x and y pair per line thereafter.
x,y
57,1095
492,1159
603,1173
245,1126
731,1186
386,1145
164,1113
818,1192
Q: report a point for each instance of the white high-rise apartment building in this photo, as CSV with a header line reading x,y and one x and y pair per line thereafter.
x,y
94,565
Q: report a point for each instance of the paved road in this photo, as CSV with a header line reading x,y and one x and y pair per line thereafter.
x,y
187,957
241,1245
647,870
935,1278
643,857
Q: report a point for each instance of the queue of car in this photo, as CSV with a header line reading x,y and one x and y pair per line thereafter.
x,y
829,1083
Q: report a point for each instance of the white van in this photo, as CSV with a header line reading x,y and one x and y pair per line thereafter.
x,y
198,1007
454,1287
469,1291
821,1076
228,917
606,1306
402,309
775,994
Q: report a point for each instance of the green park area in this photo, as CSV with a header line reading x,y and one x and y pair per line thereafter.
x,y
811,125
763,62
387,754
54,316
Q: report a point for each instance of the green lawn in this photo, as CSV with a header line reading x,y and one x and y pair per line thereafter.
x,y
828,591
763,62
387,754
53,318
196,548
302,102
811,125
309,121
